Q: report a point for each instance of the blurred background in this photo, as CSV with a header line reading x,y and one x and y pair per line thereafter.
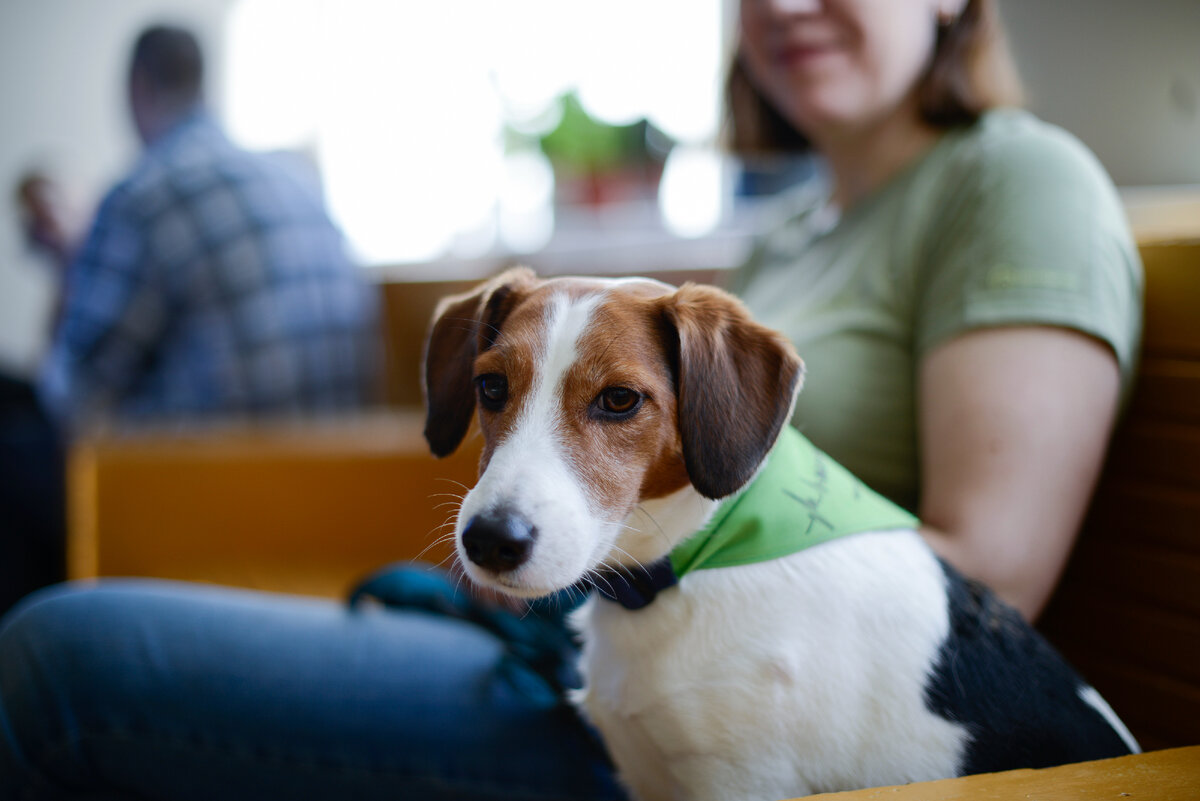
x,y
450,137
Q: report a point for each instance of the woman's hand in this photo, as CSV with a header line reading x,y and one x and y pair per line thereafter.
x,y
1014,426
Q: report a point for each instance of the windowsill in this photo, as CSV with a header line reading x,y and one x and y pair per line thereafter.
x,y
625,239
629,239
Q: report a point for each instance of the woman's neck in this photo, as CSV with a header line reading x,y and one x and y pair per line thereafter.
x,y
863,159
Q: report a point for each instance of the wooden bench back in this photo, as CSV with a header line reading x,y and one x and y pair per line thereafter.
x,y
1127,612
296,508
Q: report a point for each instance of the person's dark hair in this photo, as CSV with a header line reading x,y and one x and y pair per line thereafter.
x,y
970,72
170,59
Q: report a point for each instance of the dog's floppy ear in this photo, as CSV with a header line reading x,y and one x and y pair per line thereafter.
x,y
736,382
463,325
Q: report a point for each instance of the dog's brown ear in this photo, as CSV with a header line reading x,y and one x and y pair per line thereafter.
x,y
462,327
736,382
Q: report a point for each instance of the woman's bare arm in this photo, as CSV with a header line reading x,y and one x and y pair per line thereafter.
x,y
1014,426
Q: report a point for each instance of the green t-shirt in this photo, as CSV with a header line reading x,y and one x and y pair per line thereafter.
x,y
1008,222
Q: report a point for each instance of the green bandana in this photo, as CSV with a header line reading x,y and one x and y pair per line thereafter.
x,y
800,498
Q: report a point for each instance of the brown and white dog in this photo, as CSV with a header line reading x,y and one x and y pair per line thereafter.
x,y
616,415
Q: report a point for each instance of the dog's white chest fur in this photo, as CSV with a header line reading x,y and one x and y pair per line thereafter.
x,y
820,688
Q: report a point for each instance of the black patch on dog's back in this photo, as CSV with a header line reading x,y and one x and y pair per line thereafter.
x,y
1016,695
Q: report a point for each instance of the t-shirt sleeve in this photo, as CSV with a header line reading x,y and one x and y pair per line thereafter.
x,y
1030,232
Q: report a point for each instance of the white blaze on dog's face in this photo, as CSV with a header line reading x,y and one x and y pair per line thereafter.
x,y
577,409
595,398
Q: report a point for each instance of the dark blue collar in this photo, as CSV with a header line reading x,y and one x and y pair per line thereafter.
x,y
635,587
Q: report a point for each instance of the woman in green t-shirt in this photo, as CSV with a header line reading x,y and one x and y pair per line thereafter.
x,y
964,289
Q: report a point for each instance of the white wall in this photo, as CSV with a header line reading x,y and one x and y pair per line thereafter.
x,y
1123,75
62,91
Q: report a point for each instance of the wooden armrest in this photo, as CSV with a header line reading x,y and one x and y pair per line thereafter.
x,y
1172,775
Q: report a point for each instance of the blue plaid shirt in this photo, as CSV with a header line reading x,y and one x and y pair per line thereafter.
x,y
211,283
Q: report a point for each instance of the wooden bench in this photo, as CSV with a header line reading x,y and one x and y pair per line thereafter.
x,y
311,509
1127,612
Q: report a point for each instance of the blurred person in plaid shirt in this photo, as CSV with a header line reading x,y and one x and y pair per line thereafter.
x,y
212,281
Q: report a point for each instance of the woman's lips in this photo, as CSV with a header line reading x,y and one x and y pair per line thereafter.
x,y
804,54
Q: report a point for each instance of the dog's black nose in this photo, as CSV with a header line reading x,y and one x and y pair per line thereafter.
x,y
498,541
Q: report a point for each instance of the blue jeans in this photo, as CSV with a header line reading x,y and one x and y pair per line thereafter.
x,y
138,689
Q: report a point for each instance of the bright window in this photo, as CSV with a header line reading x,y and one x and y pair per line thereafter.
x,y
423,117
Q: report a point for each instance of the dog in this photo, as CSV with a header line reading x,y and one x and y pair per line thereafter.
x,y
821,646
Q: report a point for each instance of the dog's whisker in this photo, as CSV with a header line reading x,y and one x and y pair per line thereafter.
x,y
637,562
450,522
441,563
659,533
593,576
460,576
442,535
573,592
444,559
438,540
439,529
445,536
658,529
656,532
640,509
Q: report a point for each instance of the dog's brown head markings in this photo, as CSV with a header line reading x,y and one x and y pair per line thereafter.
x,y
707,388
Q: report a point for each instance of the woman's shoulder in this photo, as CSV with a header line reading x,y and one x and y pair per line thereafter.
x,y
1009,146
1022,225
1012,175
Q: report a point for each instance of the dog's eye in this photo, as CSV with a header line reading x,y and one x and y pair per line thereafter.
x,y
619,401
493,391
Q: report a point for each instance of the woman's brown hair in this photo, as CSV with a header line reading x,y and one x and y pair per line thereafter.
x,y
970,72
